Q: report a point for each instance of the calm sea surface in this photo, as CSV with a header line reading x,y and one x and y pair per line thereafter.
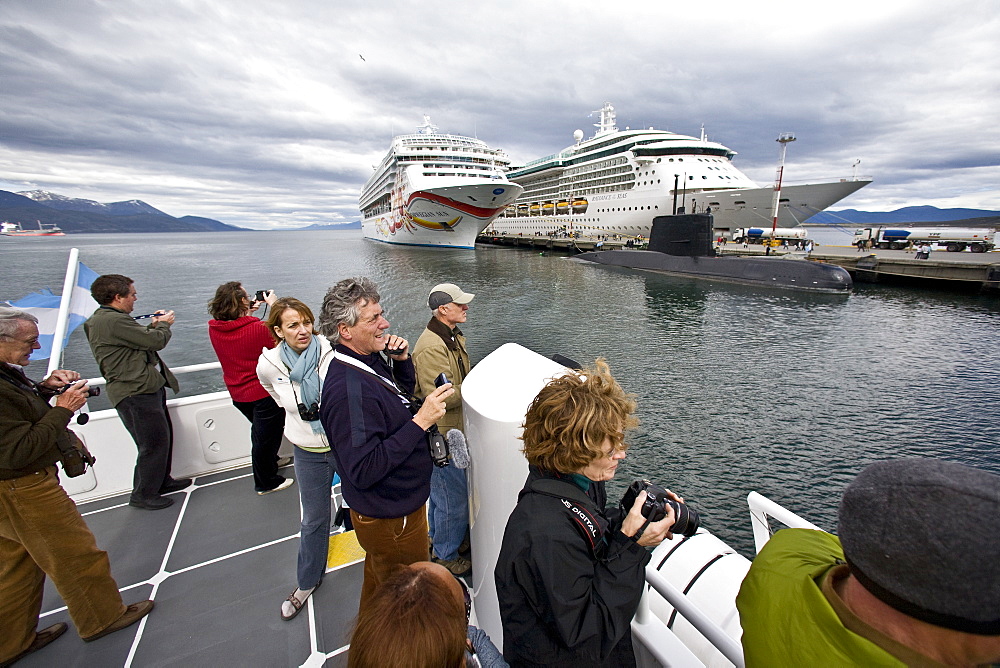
x,y
739,389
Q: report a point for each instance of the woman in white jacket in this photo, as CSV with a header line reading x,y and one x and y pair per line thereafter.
x,y
293,373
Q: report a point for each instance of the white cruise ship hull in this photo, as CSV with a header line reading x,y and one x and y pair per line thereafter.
x,y
631,213
448,215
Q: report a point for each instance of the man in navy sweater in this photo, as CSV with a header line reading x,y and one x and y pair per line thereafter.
x,y
377,431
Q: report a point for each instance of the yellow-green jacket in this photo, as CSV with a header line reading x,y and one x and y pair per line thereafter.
x,y
786,618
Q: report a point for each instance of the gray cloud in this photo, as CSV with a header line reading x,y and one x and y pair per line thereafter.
x,y
271,115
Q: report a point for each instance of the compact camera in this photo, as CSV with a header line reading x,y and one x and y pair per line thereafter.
x,y
441,380
310,414
654,508
260,295
91,391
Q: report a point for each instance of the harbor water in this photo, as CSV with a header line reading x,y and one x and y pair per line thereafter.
x,y
738,388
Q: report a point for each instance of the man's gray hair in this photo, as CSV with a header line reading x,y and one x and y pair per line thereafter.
x,y
10,320
342,305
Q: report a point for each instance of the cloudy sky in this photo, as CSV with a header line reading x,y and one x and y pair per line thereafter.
x,y
273,114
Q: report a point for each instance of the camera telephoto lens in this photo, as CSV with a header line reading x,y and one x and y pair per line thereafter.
x,y
686,519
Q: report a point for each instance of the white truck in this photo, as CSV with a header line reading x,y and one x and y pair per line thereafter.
x,y
759,235
954,239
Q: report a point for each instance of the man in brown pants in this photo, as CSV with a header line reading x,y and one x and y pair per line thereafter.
x,y
41,530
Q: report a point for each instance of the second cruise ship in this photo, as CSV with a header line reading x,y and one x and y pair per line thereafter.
x,y
617,181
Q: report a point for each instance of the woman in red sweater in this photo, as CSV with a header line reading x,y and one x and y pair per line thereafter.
x,y
238,339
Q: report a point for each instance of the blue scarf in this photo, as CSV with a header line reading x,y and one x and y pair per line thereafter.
x,y
304,371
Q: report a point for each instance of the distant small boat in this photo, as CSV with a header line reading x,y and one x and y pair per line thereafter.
x,y
15,230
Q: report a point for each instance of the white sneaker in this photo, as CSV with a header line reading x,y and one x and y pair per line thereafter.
x,y
284,461
285,484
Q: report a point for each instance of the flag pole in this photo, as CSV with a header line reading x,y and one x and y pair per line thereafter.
x,y
72,268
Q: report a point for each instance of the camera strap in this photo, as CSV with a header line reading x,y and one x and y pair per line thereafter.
x,y
579,507
405,397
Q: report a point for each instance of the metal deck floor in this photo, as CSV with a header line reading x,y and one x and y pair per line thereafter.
x,y
218,564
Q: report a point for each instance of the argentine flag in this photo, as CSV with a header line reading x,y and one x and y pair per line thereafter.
x,y
45,306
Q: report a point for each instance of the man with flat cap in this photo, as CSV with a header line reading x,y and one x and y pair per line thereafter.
x,y
914,578
441,349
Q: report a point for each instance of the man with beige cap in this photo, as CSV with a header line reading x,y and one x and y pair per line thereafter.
x,y
441,349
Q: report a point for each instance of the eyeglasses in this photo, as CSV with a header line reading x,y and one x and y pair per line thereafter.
x,y
468,599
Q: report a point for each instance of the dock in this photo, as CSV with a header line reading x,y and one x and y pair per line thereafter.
x,y
959,271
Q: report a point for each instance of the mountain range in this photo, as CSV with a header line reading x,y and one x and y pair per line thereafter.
x,y
910,215
74,215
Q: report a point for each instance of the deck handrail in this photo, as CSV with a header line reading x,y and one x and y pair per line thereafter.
x,y
761,508
729,647
101,380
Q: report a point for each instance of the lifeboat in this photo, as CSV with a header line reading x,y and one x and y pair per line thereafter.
x,y
535,209
522,209
562,206
580,205
548,209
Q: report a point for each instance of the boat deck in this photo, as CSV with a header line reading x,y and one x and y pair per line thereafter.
x,y
218,564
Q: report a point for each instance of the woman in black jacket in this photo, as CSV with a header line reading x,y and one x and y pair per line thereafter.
x,y
570,573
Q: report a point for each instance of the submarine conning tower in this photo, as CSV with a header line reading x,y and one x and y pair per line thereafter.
x,y
687,235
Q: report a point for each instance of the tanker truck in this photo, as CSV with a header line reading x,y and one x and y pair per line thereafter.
x,y
954,239
759,235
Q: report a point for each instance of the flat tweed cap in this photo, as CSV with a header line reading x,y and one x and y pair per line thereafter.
x,y
923,536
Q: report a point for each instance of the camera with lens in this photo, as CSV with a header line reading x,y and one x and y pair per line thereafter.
x,y
654,508
91,391
310,414
260,295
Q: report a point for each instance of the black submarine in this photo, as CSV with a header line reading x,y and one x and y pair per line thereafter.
x,y
681,245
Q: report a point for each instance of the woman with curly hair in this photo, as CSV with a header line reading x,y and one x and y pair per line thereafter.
x,y
571,571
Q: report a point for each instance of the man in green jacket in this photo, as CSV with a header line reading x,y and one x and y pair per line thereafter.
x,y
41,531
127,355
441,349
912,580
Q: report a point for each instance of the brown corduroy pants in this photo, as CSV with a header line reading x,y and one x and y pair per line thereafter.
x,y
388,544
42,533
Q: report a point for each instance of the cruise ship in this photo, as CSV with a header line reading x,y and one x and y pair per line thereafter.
x,y
435,189
617,181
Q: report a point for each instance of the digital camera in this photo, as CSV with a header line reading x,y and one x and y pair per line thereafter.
x,y
91,391
310,414
260,295
654,508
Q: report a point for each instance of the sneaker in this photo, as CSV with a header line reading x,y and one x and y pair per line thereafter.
x,y
157,503
285,484
284,461
458,566
132,614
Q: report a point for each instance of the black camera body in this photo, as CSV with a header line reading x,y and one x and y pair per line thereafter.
x,y
310,414
91,391
441,380
654,508
260,295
